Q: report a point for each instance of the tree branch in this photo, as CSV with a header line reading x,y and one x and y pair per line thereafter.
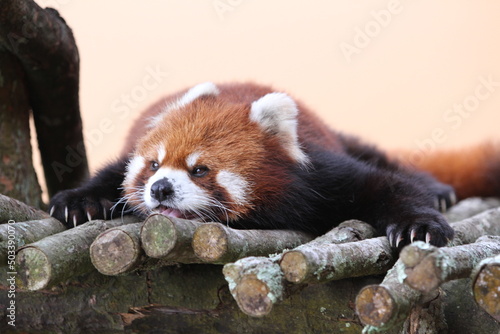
x,y
25,233
323,259
216,243
247,287
256,283
169,238
61,256
118,251
388,304
319,261
486,286
17,211
427,267
470,207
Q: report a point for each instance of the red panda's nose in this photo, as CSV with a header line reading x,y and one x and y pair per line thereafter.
x,y
162,189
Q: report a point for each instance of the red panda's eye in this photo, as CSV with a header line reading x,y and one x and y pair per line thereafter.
x,y
154,166
199,171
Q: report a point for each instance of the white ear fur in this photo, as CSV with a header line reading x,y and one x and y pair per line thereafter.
x,y
203,89
276,113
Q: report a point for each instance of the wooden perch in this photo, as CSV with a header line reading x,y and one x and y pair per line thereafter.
x,y
486,286
45,48
118,250
26,233
470,207
427,267
241,274
326,258
469,230
17,211
323,259
216,243
388,304
61,256
169,238
256,283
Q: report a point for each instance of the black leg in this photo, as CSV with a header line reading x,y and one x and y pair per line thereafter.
x,y
95,199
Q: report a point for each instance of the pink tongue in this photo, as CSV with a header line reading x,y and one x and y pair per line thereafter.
x,y
172,213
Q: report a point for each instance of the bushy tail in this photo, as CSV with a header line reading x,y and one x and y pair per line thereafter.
x,y
472,171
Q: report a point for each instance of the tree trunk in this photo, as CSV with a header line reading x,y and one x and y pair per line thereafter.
x,y
38,42
17,175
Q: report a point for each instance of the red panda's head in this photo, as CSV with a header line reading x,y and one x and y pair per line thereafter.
x,y
208,157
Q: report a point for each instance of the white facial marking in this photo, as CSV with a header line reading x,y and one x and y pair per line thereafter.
x,y
277,113
134,167
187,195
192,159
203,89
237,187
161,153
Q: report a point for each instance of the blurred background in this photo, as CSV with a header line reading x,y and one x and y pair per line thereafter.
x,y
415,75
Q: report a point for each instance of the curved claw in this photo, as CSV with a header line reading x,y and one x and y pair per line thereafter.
x,y
398,240
442,206
453,198
413,233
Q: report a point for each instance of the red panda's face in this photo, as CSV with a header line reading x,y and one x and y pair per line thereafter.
x,y
205,158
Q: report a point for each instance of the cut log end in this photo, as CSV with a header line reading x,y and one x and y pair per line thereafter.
x,y
294,266
375,305
34,269
487,290
114,252
424,277
210,242
252,297
158,236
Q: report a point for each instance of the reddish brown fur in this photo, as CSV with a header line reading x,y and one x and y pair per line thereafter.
x,y
313,128
472,171
229,140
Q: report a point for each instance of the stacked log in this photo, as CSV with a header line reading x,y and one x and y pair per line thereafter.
x,y
265,267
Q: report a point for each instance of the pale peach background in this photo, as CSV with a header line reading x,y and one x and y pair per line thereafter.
x,y
423,59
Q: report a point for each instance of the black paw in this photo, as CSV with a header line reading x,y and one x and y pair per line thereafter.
x,y
76,206
429,226
444,196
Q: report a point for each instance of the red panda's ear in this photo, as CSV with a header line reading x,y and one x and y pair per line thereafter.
x,y
203,89
277,113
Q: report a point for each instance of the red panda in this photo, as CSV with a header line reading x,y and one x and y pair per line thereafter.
x,y
250,157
